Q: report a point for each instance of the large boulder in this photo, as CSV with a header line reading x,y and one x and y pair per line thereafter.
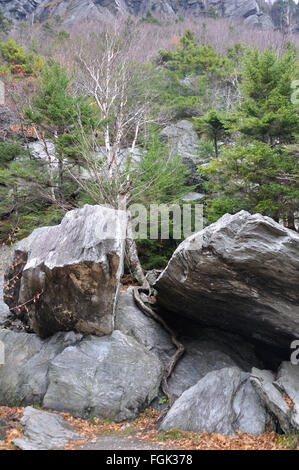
x,y
44,431
72,271
280,394
24,376
111,377
182,139
240,274
287,381
222,402
205,351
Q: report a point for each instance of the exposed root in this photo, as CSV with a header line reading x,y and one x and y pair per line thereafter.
x,y
176,356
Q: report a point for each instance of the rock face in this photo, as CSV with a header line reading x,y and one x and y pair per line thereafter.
x,y
74,10
271,392
206,351
184,141
111,377
6,253
44,431
240,274
287,382
24,376
6,119
222,402
73,272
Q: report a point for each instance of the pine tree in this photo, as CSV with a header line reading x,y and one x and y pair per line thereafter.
x,y
54,110
257,178
213,126
266,112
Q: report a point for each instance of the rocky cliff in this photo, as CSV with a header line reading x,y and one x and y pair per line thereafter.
x,y
72,10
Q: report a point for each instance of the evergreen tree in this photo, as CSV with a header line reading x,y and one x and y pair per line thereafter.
x,y
213,126
55,112
266,112
257,178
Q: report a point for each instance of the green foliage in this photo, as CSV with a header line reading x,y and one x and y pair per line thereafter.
x,y
212,13
192,58
257,178
150,18
164,170
56,112
16,61
9,152
173,434
266,112
213,126
194,77
290,441
164,400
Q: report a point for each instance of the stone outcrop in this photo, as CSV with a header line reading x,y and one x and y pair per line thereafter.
x,y
111,377
44,431
7,118
183,140
72,272
222,402
24,376
205,351
280,394
72,11
240,274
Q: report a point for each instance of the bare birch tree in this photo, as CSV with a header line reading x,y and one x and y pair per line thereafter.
x,y
121,93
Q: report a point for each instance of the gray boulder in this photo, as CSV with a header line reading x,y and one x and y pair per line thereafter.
x,y
24,376
74,268
182,139
132,322
263,383
5,259
287,381
259,21
240,274
207,351
240,8
111,377
222,402
6,119
44,431
280,394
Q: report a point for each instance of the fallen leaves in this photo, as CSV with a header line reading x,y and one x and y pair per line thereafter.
x,y
144,428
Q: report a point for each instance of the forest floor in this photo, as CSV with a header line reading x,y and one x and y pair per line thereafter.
x,y
142,433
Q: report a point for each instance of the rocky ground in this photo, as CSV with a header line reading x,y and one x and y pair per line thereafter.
x,y
233,387
140,434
